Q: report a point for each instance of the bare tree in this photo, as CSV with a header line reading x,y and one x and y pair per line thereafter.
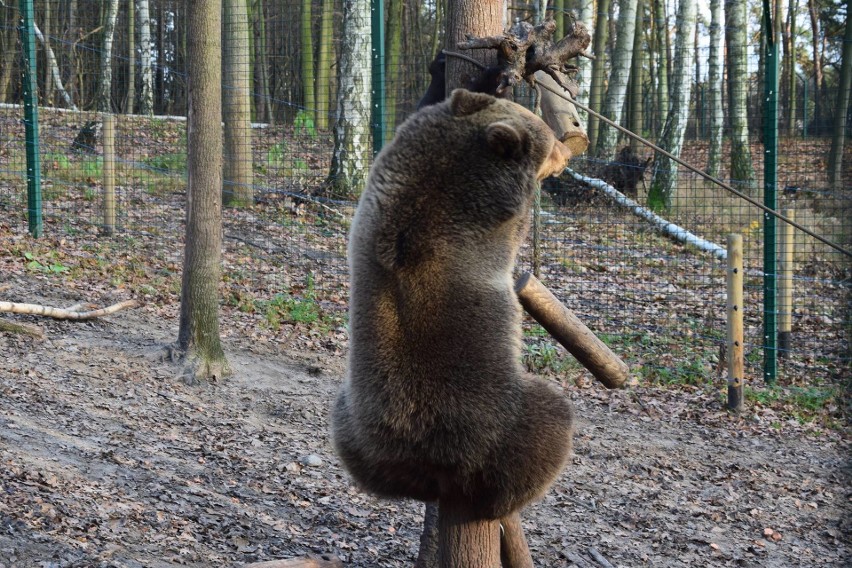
x,y
146,99
664,182
838,139
198,336
622,58
742,170
105,85
236,99
714,77
351,156
596,87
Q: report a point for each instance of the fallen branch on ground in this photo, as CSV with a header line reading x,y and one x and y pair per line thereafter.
x,y
21,328
60,313
306,562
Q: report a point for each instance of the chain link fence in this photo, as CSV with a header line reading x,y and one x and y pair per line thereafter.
x,y
658,302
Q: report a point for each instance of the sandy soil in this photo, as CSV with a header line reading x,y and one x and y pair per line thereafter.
x,y
108,459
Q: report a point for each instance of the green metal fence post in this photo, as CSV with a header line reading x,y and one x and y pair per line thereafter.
x,y
377,103
30,93
770,180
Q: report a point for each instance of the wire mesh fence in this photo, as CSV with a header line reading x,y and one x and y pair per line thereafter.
x,y
294,75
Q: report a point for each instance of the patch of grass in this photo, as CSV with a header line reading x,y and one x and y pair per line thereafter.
x,y
45,265
805,404
172,163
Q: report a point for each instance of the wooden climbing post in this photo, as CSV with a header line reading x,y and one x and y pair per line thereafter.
x,y
735,323
109,174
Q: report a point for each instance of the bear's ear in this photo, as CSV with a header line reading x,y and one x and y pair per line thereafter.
x,y
464,102
507,141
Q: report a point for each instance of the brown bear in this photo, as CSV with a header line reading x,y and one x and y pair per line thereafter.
x,y
436,404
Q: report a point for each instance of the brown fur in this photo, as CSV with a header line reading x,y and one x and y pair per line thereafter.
x,y
436,403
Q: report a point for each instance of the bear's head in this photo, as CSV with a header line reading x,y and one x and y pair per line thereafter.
x,y
513,132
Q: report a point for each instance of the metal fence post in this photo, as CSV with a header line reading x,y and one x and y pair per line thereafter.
x,y
377,37
770,180
30,93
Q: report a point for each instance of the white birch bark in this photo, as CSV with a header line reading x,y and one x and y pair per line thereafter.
x,y
105,85
622,58
664,183
54,69
717,117
584,76
146,99
742,171
351,157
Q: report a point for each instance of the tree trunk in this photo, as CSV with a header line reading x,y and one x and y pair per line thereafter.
x,y
622,58
813,11
236,100
198,335
351,155
742,171
309,101
7,61
664,183
262,61
324,66
717,117
838,139
479,18
636,76
598,66
105,85
48,79
587,16
393,65
146,98
131,59
54,69
661,33
464,542
791,66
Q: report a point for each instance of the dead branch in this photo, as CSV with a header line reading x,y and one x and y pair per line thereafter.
x,y
524,49
60,313
599,558
21,328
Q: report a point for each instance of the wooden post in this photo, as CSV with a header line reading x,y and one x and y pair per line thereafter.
x,y
785,284
568,330
465,542
109,173
735,323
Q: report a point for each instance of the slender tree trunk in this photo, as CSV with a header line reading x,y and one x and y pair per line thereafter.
x,y
791,66
439,26
198,335
813,11
54,69
146,99
598,67
324,65
393,64
661,32
838,139
636,77
309,101
664,183
587,16
479,18
262,60
131,59
622,59
559,17
48,79
105,85
351,156
717,116
742,171
9,53
236,100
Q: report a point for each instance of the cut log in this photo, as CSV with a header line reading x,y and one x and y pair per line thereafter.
x,y
464,541
561,116
568,330
21,328
303,562
59,313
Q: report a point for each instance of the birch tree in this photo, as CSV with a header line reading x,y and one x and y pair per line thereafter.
x,y
236,99
664,183
622,58
661,34
742,170
714,77
198,334
596,86
131,59
146,98
351,155
587,16
636,77
105,85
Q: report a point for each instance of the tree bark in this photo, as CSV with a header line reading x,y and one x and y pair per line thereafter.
x,y
813,12
661,34
130,98
54,69
664,182
198,335
598,66
587,16
838,139
465,542
262,61
622,57
714,77
351,155
479,18
146,98
236,100
105,84
324,65
791,66
742,171
309,101
393,65
637,70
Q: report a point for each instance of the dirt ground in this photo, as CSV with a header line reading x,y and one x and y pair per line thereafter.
x,y
108,459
